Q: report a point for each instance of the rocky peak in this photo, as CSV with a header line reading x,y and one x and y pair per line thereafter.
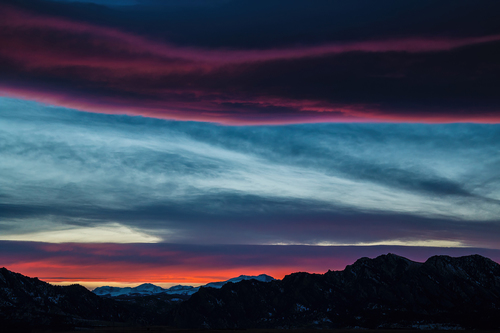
x,y
474,268
385,267
469,263
389,291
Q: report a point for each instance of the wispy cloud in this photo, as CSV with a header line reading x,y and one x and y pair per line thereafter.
x,y
332,156
204,183
102,69
98,234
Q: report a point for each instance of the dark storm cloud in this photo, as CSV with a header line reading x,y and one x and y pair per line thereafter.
x,y
202,183
360,61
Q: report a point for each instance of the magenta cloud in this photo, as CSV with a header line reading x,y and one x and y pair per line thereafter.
x,y
102,69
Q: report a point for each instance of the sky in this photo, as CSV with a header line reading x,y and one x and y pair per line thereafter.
x,y
189,142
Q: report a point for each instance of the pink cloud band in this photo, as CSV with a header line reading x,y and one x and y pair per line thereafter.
x,y
105,70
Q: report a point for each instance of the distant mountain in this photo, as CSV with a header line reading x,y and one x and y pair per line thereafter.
x,y
386,292
151,289
143,289
261,278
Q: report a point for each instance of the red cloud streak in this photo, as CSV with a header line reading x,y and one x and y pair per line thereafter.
x,y
101,69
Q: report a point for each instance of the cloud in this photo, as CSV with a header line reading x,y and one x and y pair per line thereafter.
x,y
111,232
105,2
201,183
104,69
216,201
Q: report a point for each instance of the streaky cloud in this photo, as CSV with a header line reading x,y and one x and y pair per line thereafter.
x,y
106,70
189,182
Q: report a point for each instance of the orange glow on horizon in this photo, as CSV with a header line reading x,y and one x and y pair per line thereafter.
x,y
68,270
97,264
124,275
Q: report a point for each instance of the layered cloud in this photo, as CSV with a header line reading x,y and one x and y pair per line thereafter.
x,y
325,178
90,66
67,174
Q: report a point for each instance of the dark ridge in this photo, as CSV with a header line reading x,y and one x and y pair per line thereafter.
x,y
389,291
386,292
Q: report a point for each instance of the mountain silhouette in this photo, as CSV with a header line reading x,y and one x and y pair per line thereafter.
x,y
389,291
386,292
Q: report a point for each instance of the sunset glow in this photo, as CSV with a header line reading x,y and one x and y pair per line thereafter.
x,y
187,142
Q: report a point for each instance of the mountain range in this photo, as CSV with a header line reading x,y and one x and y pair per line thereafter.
x,y
386,292
151,289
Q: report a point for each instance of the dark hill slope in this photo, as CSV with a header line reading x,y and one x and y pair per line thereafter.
x,y
28,301
388,291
